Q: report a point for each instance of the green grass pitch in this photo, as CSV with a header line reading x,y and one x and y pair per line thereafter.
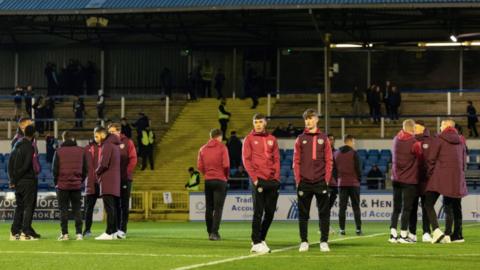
x,y
165,245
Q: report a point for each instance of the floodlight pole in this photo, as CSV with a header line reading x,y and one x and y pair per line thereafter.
x,y
326,61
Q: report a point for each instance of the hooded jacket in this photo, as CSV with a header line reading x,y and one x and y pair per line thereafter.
x,y
108,171
347,163
261,156
312,158
405,155
213,161
69,167
446,165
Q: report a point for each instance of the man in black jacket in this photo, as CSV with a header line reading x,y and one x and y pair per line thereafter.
x,y
234,145
23,179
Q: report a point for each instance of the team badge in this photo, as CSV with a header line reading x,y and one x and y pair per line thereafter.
x,y
300,193
320,141
270,142
425,146
255,142
260,190
304,142
122,146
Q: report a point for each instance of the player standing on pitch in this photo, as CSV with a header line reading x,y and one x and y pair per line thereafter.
x,y
213,162
405,157
261,159
312,166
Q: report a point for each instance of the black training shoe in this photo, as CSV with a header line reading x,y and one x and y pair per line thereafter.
x,y
359,232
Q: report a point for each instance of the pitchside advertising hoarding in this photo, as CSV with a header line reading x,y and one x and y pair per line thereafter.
x,y
374,207
47,207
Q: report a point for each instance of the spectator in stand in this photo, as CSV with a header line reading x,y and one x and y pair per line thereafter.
x,y
472,119
241,179
357,99
49,113
193,183
79,111
126,129
219,83
90,73
385,98
234,146
374,176
376,103
39,108
28,94
249,85
17,100
394,100
223,117
52,79
191,87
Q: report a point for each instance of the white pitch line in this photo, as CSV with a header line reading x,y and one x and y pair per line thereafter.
x,y
379,256
108,254
239,258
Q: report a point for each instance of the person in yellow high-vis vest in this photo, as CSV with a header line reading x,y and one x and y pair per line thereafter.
x,y
193,183
223,117
148,140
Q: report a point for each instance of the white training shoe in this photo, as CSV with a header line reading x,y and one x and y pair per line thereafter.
x,y
446,240
260,248
412,237
105,236
63,237
79,237
405,240
26,237
121,235
324,247
426,238
304,247
14,237
437,236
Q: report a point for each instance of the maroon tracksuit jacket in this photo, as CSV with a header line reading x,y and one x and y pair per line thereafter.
x,y
108,171
213,161
69,167
426,142
347,164
312,158
261,156
405,155
128,158
92,155
446,163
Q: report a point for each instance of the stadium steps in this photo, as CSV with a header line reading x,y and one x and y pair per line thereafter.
x,y
412,104
178,149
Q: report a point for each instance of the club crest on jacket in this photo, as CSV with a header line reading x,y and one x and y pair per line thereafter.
x,y
320,141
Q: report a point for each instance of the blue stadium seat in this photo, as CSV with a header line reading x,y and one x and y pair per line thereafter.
x,y
362,152
373,152
385,152
233,171
472,158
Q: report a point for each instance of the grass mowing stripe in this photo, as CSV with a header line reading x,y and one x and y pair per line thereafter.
x,y
200,265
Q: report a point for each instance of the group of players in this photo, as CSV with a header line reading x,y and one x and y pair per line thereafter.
x,y
106,166
424,167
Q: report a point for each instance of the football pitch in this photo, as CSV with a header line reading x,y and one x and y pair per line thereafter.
x,y
184,245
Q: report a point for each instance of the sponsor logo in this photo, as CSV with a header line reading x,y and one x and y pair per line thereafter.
x,y
304,142
255,142
122,146
270,142
425,146
293,210
320,141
